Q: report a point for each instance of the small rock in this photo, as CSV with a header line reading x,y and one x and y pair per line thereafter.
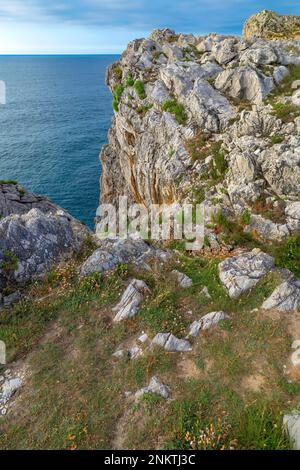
x,y
207,322
133,296
170,343
174,344
143,339
286,297
9,388
205,292
183,280
155,387
118,354
134,352
291,424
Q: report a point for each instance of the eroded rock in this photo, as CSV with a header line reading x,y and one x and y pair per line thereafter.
x,y
286,297
241,273
130,302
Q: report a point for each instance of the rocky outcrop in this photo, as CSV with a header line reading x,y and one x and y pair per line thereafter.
x,y
115,251
270,25
192,123
14,199
241,273
33,239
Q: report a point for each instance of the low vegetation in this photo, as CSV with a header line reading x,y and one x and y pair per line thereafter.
x,y
228,393
139,87
172,106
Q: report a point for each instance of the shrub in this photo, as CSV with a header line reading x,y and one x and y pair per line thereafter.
x,y
173,107
139,87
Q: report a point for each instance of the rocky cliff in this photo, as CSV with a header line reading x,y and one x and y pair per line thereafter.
x,y
34,235
213,119
270,25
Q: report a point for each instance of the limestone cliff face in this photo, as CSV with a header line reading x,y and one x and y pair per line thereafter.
x,y
212,118
270,25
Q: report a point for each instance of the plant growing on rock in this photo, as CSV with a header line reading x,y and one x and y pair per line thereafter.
x,y
139,87
117,94
177,109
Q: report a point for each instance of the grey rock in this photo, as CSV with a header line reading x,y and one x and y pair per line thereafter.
x,y
143,338
134,352
286,297
292,212
183,280
291,424
14,199
267,229
280,165
207,322
130,302
241,273
170,343
9,388
115,251
280,73
160,339
37,240
119,354
156,387
245,83
174,344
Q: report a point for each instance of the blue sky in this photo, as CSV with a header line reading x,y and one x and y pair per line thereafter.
x,y
106,26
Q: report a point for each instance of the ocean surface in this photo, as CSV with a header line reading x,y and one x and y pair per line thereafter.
x,y
55,121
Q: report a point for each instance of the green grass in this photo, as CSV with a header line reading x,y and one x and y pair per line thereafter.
x,y
287,112
139,87
75,399
277,139
129,81
177,109
117,94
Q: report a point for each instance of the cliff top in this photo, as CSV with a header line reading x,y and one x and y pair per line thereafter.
x,y
270,25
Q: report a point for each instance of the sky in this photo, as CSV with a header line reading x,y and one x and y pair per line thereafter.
x,y
106,26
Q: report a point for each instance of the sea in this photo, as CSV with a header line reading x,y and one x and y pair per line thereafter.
x,y
57,114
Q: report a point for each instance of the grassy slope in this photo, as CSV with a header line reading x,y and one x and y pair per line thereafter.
x,y
229,392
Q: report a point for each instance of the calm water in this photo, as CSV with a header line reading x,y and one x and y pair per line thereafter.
x,y
52,128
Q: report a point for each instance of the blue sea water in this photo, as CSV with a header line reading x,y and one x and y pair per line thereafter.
x,y
52,128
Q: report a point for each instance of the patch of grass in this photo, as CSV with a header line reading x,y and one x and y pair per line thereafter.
x,y
118,73
139,87
144,108
129,81
199,147
233,231
177,109
277,139
287,112
287,255
246,217
117,94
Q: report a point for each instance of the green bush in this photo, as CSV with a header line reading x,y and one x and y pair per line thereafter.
x,y
173,107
